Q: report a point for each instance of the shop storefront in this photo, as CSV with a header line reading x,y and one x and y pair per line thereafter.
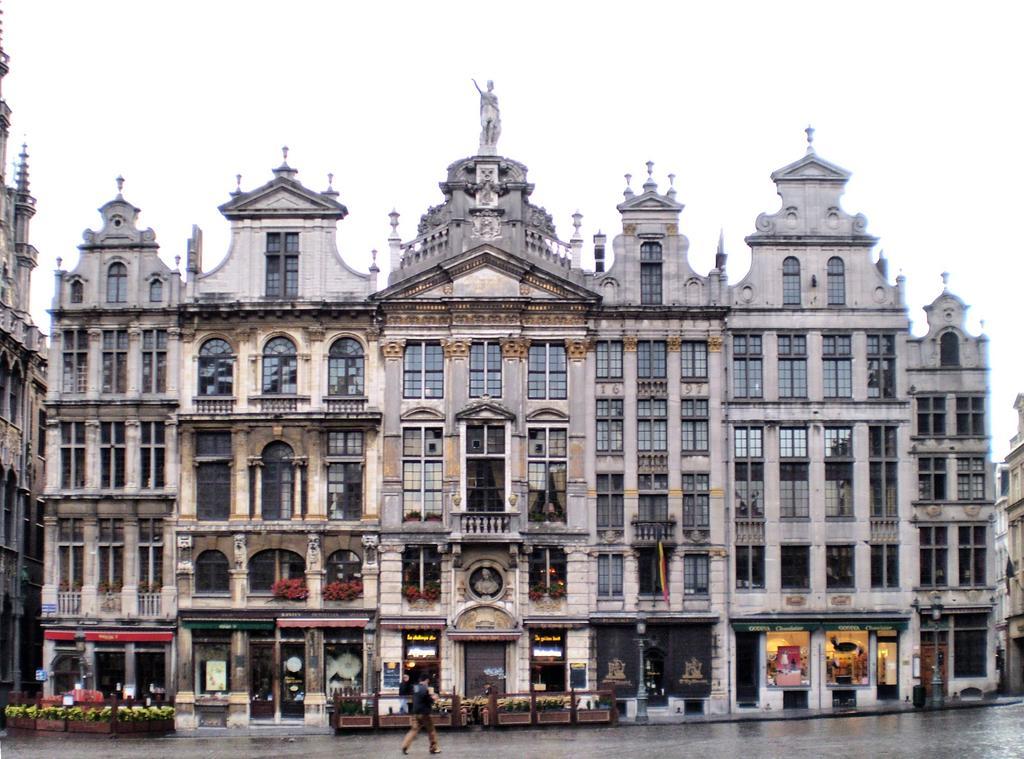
x,y
547,660
126,663
421,654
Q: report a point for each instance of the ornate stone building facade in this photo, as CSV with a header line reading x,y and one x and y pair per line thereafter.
x,y
494,467
22,385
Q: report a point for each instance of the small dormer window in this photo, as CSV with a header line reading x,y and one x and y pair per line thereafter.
x,y
117,283
282,264
77,291
650,273
791,282
156,291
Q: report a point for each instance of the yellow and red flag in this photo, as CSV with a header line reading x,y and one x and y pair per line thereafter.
x,y
663,570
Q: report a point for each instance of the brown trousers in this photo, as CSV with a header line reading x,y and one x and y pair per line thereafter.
x,y
421,722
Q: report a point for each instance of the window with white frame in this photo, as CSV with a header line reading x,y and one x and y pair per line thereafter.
x,y
151,455
115,360
792,366
696,502
546,371
609,575
70,554
72,455
695,424
422,460
282,265
839,472
695,574
345,474
970,478
748,452
154,360
651,359
485,369
608,354
746,366
652,424
693,355
547,465
75,344
794,484
610,501
837,366
883,467
112,455
151,555
423,371
609,425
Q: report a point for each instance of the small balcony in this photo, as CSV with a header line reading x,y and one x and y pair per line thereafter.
x,y
150,605
485,525
281,404
885,530
69,602
652,463
652,388
214,404
335,404
749,531
648,532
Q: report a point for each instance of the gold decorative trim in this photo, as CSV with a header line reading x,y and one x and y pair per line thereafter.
x,y
629,343
393,348
577,349
715,344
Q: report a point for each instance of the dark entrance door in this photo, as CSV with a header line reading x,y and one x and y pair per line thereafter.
x,y
293,680
484,664
149,674
928,661
654,677
109,672
748,667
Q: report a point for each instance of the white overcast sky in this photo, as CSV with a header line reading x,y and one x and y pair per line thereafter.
x,y
921,101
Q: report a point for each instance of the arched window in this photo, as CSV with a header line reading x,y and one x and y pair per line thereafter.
x,y
836,282
212,573
791,282
278,483
216,368
267,567
949,349
15,404
345,368
280,367
156,291
77,291
117,283
344,566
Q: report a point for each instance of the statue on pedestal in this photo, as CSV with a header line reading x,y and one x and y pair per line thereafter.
x,y
490,117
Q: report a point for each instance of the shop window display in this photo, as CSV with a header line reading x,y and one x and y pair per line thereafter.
x,y
846,658
343,664
211,657
787,659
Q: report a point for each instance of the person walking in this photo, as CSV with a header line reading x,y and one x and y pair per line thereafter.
x,y
404,690
422,705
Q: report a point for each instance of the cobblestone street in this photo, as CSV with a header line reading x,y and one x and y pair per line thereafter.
x,y
976,733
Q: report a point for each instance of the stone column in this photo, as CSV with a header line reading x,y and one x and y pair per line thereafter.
x,y
316,373
298,486
240,471
90,568
629,442
238,571
316,699
238,698
92,455
514,352
718,442
171,461
675,444
174,363
53,454
456,353
129,590
50,577
256,499
95,368
134,384
132,441
185,697
391,480
576,487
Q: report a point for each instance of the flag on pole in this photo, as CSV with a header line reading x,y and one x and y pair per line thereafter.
x,y
1011,572
663,570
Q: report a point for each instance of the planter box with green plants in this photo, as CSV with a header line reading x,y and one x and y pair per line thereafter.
x,y
353,714
90,719
553,709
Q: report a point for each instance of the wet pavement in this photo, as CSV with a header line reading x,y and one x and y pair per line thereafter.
x,y
980,733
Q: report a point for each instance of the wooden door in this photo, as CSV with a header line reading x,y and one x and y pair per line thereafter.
x,y
484,664
927,662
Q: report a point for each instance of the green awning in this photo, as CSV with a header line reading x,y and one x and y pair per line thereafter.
x,y
227,624
773,626
879,625
805,625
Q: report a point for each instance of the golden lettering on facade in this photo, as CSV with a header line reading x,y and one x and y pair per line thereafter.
x,y
693,672
616,671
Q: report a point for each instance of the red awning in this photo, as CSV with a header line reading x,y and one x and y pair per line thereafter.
x,y
314,622
112,636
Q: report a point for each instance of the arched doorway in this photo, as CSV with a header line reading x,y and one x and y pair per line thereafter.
x,y
654,677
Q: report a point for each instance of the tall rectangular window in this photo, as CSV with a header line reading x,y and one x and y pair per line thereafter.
x,y
794,485
838,472
485,467
282,261
609,575
652,424
746,366
609,359
345,474
748,454
882,366
839,567
609,425
694,357
696,502
885,565
970,479
970,415
547,468
972,555
749,567
423,375
792,366
931,415
151,455
931,478
970,645
836,364
695,574
795,563
70,554
546,372
883,467
650,274
695,424
652,507
213,475
485,369
151,555
115,360
933,545
648,565
651,359
154,360
422,460
72,454
112,455
110,555
75,344
609,501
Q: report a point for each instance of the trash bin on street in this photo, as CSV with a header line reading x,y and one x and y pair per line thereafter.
x,y
918,696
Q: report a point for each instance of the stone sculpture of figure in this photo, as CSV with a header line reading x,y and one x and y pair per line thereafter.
x,y
490,117
486,584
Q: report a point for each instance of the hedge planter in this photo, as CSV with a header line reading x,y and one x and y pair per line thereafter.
x,y
594,715
78,726
161,726
52,725
21,723
508,718
554,716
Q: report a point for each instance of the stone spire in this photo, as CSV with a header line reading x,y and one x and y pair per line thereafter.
x,y
720,256
21,178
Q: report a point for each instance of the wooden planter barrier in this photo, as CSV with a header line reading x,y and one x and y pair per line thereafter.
x,y
341,721
27,726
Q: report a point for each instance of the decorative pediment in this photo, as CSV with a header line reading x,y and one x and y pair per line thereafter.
x,y
283,197
485,410
547,415
119,226
811,167
650,201
423,414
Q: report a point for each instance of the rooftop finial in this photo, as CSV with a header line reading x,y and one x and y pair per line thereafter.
x,y
21,180
238,185
671,186
60,262
330,181
810,138
373,264
284,170
720,257
284,153
650,168
650,185
120,184
577,222
394,222
945,280
177,262
628,192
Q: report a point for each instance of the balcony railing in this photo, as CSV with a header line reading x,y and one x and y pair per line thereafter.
x,y
485,524
214,405
749,531
281,404
652,388
150,604
652,462
69,602
110,602
885,530
654,531
337,405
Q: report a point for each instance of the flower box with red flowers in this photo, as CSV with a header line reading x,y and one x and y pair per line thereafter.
x,y
293,589
429,592
343,591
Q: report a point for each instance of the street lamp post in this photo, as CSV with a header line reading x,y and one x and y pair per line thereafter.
x,y
641,686
937,695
